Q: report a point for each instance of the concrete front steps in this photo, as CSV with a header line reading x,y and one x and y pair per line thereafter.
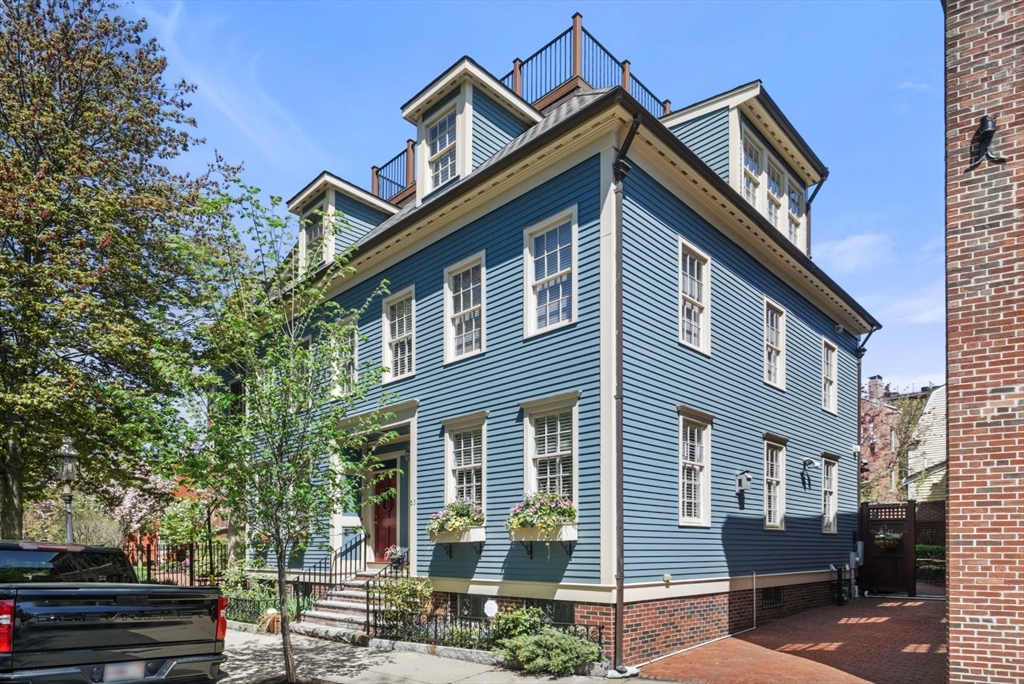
x,y
341,614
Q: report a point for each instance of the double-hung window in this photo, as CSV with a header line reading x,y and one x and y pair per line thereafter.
x,y
774,485
771,188
694,468
464,309
346,360
752,165
828,376
694,297
550,259
465,456
829,486
774,345
551,445
399,335
441,148
313,236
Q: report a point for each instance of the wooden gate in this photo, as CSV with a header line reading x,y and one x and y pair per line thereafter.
x,y
888,570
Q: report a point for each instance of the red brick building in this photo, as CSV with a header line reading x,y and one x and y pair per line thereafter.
x,y
985,341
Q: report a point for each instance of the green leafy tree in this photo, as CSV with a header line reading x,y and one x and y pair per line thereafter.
x,y
104,252
184,522
280,443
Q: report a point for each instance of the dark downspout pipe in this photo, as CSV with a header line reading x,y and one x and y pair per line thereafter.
x,y
808,212
620,169
861,350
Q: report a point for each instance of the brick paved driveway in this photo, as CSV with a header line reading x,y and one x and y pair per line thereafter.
x,y
882,641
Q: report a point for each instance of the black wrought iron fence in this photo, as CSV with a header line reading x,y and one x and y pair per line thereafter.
x,y
333,571
249,609
187,565
459,632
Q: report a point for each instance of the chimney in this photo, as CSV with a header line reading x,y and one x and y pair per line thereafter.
x,y
875,387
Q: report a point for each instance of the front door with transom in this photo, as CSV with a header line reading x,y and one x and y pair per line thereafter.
x,y
385,518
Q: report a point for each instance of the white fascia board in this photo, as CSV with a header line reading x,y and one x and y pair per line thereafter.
x,y
783,146
326,180
467,71
731,98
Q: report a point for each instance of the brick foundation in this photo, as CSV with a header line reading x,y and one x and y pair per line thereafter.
x,y
662,626
985,341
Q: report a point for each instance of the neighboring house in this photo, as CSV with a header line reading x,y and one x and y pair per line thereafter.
x,y
926,461
597,296
889,419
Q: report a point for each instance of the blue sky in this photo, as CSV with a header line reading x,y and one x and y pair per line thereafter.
x,y
294,88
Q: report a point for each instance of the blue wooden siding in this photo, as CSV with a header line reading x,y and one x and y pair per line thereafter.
x,y
493,127
512,370
708,137
660,374
353,220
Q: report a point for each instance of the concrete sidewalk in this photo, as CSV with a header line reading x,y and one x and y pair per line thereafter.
x,y
252,657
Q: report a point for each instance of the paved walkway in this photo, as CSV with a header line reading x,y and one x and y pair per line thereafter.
x,y
876,641
252,657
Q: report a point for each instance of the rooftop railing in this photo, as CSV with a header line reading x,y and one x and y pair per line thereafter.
x,y
573,59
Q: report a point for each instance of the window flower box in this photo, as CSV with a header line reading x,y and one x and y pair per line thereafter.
x,y
469,535
564,532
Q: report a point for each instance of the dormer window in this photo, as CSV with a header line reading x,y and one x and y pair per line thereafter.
x,y
441,142
769,188
313,236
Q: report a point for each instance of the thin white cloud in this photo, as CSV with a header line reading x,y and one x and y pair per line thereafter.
x,y
912,85
923,307
857,253
231,85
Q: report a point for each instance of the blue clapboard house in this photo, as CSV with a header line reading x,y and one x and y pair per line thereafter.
x,y
594,294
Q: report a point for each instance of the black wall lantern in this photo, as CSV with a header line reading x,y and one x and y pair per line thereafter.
x,y
981,145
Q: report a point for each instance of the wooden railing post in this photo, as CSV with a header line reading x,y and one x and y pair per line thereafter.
x,y
517,76
667,104
625,74
577,45
375,181
410,157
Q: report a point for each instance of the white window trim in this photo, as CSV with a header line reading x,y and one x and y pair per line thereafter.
x,y
386,334
530,302
338,386
781,380
462,424
769,157
705,329
542,407
830,400
323,207
781,446
699,420
449,328
830,526
463,103
449,110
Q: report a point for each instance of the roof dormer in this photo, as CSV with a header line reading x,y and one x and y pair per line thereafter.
x,y
744,137
462,118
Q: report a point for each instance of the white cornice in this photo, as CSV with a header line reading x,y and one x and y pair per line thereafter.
x,y
327,180
465,70
730,98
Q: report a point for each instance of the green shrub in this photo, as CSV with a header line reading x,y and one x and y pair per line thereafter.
x,y
515,623
549,650
933,551
405,595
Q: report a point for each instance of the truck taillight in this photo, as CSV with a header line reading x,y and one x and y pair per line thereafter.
x,y
6,626
222,620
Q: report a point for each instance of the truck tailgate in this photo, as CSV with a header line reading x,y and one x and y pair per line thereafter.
x,y
59,624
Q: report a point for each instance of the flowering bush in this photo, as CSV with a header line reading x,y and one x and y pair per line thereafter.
x,y
543,510
886,533
456,517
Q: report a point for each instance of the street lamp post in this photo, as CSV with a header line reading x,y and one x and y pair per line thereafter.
x,y
69,471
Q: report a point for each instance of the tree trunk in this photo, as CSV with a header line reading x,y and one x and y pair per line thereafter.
x,y
11,502
236,540
282,597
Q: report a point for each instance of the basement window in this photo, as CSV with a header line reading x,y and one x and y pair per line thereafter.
x,y
772,597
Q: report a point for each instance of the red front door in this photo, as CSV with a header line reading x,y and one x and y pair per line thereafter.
x,y
385,518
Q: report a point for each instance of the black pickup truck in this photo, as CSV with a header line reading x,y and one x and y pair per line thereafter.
x,y
77,614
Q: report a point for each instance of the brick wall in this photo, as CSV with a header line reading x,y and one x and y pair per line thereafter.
x,y
985,343
659,627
